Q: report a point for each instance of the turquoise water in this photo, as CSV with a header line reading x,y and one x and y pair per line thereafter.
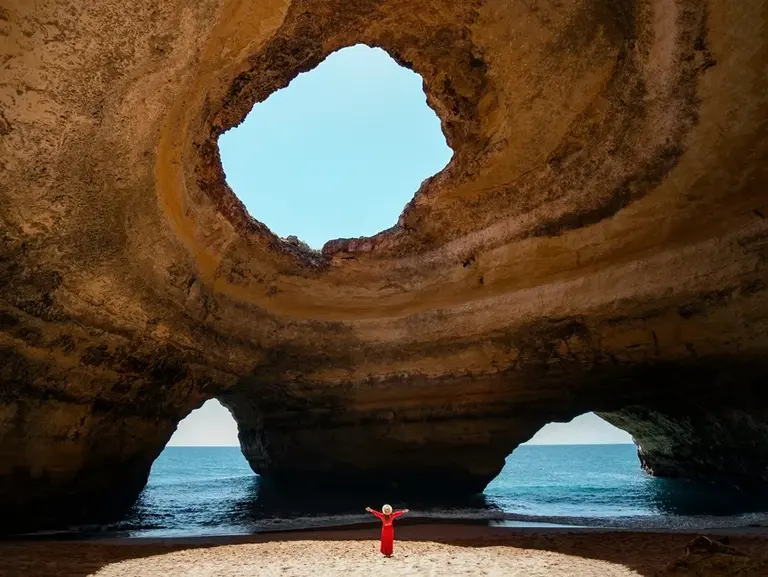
x,y
212,490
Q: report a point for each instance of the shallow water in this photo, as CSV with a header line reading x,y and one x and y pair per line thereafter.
x,y
212,491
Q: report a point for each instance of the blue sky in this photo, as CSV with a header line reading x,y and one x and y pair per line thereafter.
x,y
339,153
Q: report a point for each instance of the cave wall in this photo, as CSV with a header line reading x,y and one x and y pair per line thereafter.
x,y
598,242
714,442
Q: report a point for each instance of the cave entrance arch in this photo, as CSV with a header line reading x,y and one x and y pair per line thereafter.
x,y
584,467
587,471
200,482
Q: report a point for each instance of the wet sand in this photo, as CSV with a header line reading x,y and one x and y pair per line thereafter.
x,y
429,550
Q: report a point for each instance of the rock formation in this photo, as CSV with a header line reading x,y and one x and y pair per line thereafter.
x,y
599,241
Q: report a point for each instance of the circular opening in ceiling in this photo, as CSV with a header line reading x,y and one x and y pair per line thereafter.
x,y
339,152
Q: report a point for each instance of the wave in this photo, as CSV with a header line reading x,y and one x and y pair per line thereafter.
x,y
698,522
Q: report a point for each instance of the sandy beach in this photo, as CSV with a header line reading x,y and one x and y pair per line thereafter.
x,y
428,550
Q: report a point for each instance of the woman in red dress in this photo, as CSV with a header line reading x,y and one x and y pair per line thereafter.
x,y
387,516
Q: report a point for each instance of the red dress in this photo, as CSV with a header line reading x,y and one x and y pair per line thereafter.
x,y
387,531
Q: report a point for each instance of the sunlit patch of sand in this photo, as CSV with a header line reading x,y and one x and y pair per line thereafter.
x,y
353,558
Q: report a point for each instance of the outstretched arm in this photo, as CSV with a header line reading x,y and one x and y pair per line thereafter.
x,y
379,515
397,514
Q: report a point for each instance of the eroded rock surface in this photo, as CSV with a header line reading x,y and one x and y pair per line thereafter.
x,y
598,242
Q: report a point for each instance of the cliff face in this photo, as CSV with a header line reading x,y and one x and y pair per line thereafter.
x,y
598,242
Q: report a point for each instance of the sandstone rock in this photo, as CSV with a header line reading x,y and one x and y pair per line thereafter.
x,y
706,557
599,241
704,545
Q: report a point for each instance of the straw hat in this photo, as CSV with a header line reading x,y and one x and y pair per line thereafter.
x,y
387,509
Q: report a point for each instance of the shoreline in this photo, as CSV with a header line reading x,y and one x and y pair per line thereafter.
x,y
507,526
501,524
434,527
442,548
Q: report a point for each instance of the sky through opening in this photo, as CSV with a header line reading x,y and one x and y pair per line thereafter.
x,y
339,152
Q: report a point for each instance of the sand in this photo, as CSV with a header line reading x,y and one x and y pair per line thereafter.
x,y
428,550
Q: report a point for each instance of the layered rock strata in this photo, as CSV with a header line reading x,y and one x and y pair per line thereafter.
x,y
599,241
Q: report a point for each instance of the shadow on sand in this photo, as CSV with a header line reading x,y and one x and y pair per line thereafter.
x,y
648,554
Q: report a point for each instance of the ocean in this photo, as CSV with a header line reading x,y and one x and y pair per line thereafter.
x,y
195,491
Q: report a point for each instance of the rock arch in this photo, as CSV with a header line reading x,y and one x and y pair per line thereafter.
x,y
598,242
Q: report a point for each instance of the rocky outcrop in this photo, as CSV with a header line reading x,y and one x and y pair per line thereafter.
x,y
599,241
710,441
